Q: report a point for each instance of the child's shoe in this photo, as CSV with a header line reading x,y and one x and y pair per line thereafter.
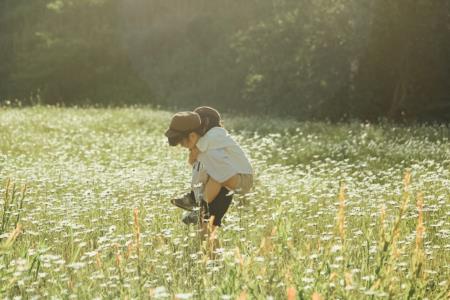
x,y
190,217
186,202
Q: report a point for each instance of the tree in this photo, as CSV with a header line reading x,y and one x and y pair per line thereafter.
x,y
69,52
405,72
299,59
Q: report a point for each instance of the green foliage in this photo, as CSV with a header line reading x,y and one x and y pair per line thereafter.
x,y
310,44
402,73
69,52
336,60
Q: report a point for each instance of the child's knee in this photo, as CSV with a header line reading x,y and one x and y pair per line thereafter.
x,y
232,183
212,189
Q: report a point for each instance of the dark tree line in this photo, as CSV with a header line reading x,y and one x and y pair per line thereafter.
x,y
405,70
366,59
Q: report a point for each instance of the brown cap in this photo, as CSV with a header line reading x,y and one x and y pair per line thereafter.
x,y
182,123
206,111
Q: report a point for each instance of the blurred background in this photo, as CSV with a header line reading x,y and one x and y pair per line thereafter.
x,y
321,59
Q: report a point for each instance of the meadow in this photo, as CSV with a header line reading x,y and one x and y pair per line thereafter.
x,y
339,211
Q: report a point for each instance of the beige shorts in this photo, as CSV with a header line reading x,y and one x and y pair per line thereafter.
x,y
245,183
200,178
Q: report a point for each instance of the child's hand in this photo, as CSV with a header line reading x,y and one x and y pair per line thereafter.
x,y
193,153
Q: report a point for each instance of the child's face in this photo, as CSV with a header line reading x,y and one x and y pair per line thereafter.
x,y
190,141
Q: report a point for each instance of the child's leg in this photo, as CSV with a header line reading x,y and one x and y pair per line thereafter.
x,y
232,183
212,187
213,212
210,238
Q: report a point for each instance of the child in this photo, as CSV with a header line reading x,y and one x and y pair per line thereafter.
x,y
225,163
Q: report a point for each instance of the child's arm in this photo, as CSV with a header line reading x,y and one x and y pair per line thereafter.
x,y
193,153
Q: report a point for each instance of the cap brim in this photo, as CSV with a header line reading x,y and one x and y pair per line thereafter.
x,y
172,133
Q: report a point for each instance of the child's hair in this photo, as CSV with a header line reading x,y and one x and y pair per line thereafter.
x,y
210,118
175,140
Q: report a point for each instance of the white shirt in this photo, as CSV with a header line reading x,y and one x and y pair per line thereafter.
x,y
221,156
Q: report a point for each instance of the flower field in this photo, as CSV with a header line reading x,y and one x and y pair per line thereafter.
x,y
347,211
